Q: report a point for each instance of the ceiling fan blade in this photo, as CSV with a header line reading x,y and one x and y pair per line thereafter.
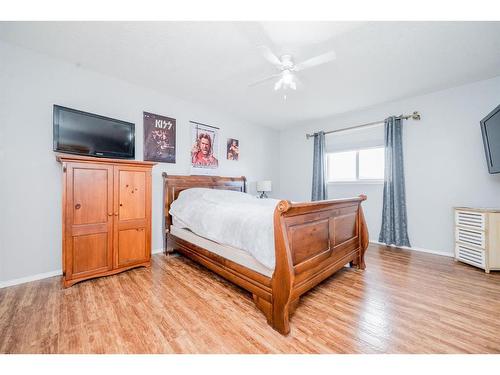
x,y
274,76
269,55
315,61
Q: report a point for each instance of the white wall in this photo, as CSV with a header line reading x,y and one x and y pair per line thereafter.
x,y
30,188
444,157
444,161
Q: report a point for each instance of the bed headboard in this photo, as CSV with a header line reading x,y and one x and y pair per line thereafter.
x,y
173,185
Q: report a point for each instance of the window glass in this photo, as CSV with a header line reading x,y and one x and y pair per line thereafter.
x,y
356,165
371,164
342,166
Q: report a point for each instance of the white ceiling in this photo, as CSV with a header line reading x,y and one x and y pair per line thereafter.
x,y
214,62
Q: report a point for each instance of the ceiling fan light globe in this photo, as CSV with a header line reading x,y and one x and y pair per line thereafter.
x,y
287,77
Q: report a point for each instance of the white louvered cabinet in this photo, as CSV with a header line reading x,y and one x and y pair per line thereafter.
x,y
477,237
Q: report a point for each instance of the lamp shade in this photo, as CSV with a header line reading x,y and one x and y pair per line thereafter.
x,y
264,185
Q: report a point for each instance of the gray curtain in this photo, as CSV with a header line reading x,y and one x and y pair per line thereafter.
x,y
394,229
319,168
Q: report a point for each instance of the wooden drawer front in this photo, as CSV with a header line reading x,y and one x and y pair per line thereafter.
x,y
90,254
132,246
470,237
475,220
470,255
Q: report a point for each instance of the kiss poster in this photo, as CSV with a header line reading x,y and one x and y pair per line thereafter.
x,y
159,138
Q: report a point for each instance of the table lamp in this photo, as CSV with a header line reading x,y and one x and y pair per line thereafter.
x,y
263,187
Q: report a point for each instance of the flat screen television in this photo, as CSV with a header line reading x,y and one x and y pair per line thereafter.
x,y
490,127
83,133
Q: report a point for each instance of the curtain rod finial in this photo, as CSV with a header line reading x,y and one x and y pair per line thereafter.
x,y
415,116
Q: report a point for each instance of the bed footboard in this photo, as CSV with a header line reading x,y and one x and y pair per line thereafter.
x,y
313,241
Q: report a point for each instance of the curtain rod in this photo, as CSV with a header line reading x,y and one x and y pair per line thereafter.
x,y
414,116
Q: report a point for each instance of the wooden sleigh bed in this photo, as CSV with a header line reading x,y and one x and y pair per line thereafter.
x,y
312,241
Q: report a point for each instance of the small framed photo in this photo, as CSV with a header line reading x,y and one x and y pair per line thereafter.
x,y
232,149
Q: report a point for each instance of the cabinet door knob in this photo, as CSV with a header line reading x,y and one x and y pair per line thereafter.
x,y
116,213
110,214
77,206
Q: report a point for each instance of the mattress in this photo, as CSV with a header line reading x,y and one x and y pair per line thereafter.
x,y
231,218
234,254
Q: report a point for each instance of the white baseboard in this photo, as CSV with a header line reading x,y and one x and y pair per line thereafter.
x,y
27,279
45,275
435,252
39,276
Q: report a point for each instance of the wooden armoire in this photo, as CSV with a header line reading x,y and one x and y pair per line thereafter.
x,y
106,216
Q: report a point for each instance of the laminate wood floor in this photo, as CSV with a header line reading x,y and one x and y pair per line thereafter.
x,y
404,302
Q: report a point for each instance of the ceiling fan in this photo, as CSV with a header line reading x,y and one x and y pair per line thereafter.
x,y
287,79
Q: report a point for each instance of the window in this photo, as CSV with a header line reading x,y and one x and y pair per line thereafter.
x,y
356,166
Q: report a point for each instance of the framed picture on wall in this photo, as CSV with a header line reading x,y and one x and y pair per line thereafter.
x,y
204,146
159,138
232,149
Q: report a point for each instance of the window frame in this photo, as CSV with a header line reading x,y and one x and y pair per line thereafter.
x,y
357,181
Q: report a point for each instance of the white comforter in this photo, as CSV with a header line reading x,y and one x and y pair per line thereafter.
x,y
231,218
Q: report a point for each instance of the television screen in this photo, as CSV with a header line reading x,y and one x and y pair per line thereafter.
x,y
490,127
83,133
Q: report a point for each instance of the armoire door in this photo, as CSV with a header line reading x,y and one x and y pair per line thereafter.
x,y
132,210
88,219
